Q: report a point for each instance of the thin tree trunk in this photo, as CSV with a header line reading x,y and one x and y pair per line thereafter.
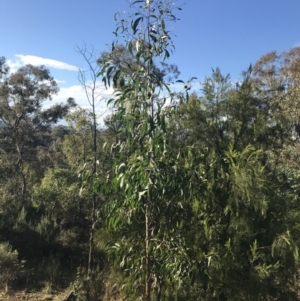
x,y
147,255
93,217
91,241
92,94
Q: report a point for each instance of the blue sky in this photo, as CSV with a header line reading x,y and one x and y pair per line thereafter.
x,y
229,34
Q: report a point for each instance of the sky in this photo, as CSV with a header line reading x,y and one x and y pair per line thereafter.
x,y
229,34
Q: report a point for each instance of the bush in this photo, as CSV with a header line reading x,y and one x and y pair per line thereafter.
x,y
89,289
9,265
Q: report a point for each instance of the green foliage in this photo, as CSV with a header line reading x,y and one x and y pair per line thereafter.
x,y
196,188
92,288
9,265
237,217
25,135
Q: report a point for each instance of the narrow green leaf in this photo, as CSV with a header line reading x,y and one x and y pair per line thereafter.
x,y
109,70
104,81
167,54
154,39
138,1
130,47
135,24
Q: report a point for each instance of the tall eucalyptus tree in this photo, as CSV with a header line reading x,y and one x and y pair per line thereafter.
x,y
145,173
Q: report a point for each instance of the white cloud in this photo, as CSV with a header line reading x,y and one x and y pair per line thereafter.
x,y
14,65
77,92
60,81
37,61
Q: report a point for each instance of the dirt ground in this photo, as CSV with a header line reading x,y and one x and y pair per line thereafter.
x,y
33,296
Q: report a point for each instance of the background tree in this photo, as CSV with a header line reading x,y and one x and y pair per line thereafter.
x,y
25,128
88,80
26,153
239,226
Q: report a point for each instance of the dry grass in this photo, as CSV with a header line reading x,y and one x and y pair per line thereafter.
x,y
32,296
